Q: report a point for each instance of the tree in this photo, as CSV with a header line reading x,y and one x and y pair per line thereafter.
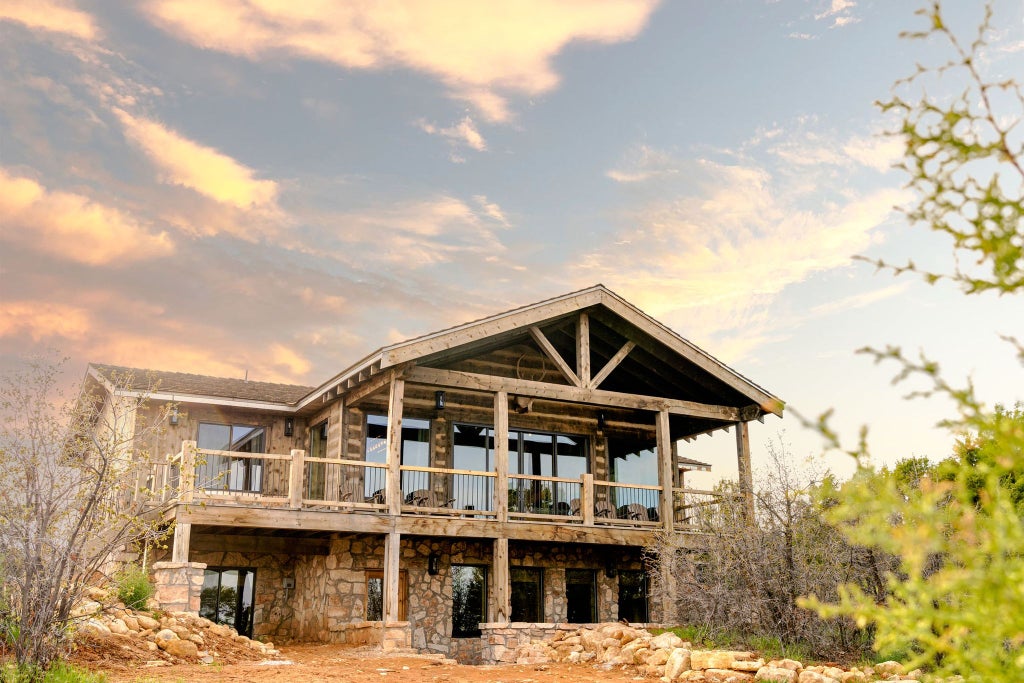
x,y
74,490
957,598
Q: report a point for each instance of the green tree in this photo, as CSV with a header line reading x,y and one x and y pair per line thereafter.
x,y
957,598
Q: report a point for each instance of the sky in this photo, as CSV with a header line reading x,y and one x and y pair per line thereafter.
x,y
275,189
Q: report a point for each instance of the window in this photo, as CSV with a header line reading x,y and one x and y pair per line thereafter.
x,y
222,472
535,453
316,472
227,597
634,462
375,595
581,595
469,600
473,450
527,594
415,449
633,596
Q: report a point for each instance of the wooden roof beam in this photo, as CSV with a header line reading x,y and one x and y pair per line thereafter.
x,y
612,363
552,353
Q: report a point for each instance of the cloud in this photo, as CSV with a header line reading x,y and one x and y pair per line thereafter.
x,y
42,320
643,163
50,15
840,13
462,133
879,152
861,300
203,169
73,227
481,51
491,210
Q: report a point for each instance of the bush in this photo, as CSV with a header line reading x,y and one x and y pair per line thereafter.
x,y
134,588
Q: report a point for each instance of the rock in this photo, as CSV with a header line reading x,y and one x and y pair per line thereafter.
x,y
118,626
208,659
590,639
182,632
197,639
183,649
86,608
151,646
94,627
610,642
147,623
165,636
726,676
717,659
808,676
678,662
888,669
751,666
222,631
775,674
666,641
131,622
790,664
657,658
853,677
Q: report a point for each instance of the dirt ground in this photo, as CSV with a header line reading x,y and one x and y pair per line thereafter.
x,y
352,665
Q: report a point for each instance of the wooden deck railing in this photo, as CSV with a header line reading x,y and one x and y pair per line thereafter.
x,y
297,481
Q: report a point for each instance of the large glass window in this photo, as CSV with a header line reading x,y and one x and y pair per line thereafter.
x,y
527,594
469,600
633,462
316,472
633,596
222,472
375,595
581,595
227,597
415,450
473,450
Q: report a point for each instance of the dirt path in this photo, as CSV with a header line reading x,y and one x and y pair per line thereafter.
x,y
333,663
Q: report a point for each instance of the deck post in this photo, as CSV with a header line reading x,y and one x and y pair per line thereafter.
x,y
392,553
502,585
394,480
743,465
587,499
182,535
501,456
583,350
665,463
295,476
187,475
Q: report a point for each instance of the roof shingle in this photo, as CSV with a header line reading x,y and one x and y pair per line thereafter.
x,y
140,379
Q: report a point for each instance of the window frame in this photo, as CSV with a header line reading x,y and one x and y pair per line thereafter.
x,y
645,583
539,573
252,470
484,600
246,628
403,593
593,594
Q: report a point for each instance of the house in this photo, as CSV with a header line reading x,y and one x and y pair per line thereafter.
x,y
452,493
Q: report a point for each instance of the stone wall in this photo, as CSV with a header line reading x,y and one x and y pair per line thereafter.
x,y
178,585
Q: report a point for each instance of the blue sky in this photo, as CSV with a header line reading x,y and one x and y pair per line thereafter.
x,y
232,186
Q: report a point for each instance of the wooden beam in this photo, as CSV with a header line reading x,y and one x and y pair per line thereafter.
x,y
182,532
583,350
245,543
612,363
587,500
743,465
490,383
552,353
394,436
392,554
666,463
296,475
502,583
187,473
373,386
501,455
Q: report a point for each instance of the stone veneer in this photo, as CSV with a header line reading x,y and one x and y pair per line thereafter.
x,y
328,602
178,585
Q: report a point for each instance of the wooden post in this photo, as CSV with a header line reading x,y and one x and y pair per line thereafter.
x,y
182,534
666,461
743,465
502,583
394,480
501,456
392,553
587,499
583,350
295,478
187,476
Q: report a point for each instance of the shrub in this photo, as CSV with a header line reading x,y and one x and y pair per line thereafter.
x,y
134,588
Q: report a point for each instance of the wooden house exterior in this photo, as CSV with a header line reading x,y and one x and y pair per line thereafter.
x,y
505,471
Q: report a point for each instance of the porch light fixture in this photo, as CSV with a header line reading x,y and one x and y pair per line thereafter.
x,y
434,559
610,570
289,426
173,417
600,421
439,400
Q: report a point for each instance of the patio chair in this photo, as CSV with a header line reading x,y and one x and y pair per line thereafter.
x,y
419,498
575,507
603,508
635,512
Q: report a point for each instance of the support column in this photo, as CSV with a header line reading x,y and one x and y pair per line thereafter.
x,y
187,474
394,481
666,462
743,465
182,534
392,553
502,583
501,456
296,476
583,350
179,586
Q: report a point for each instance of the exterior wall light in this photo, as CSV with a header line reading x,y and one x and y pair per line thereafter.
x,y
439,400
433,561
289,426
173,417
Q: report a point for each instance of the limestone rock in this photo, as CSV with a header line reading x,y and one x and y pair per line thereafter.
x,y
94,627
727,676
117,626
666,641
658,657
751,666
146,622
790,664
718,659
775,674
888,669
184,649
678,662
165,636
853,677
808,676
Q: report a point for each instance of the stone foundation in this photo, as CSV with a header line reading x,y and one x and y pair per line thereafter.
x,y
396,636
178,585
500,641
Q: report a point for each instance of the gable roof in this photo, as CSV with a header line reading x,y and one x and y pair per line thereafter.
x,y
516,322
